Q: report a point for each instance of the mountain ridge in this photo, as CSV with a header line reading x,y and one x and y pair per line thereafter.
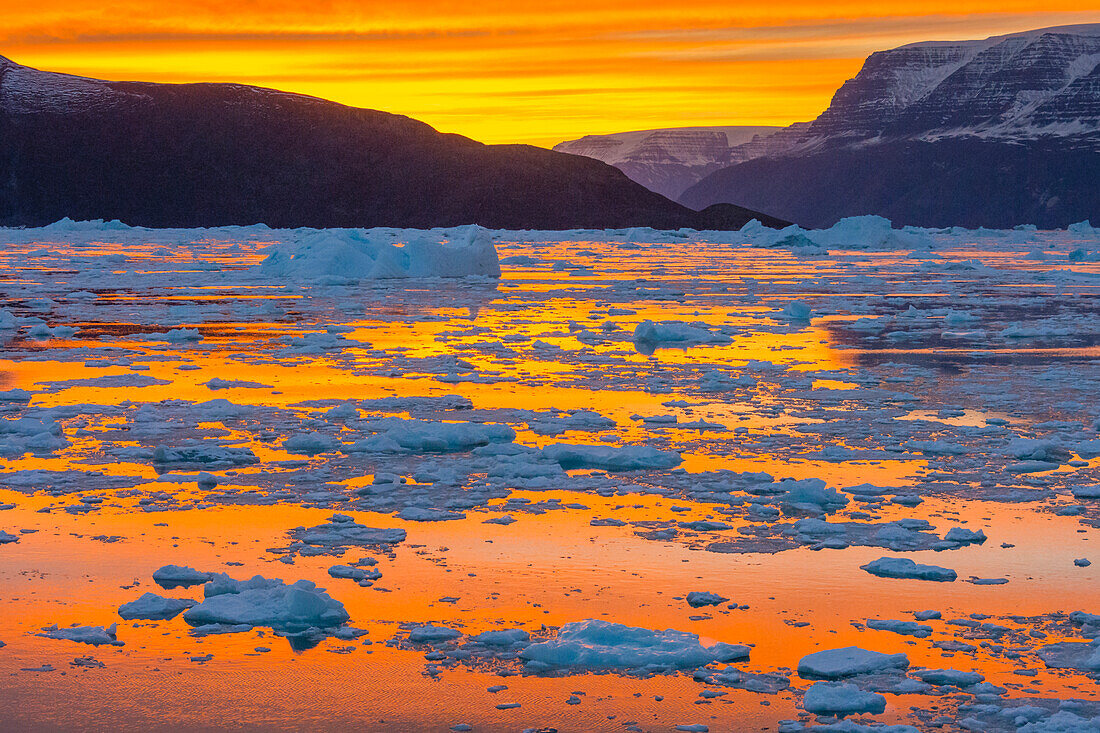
x,y
669,160
212,154
938,110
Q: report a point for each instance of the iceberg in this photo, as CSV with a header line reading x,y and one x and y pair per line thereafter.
x,y
266,602
903,567
94,635
849,661
830,698
596,644
152,607
349,255
677,334
626,458
171,576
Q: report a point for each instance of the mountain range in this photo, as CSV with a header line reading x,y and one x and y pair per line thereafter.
x,y
191,155
669,161
994,132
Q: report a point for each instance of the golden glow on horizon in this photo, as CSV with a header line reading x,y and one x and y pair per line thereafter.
x,y
515,71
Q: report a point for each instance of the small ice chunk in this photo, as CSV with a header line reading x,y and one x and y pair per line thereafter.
x,y
903,567
948,677
810,494
905,628
830,698
697,599
963,535
350,573
95,635
343,531
266,602
428,633
171,576
796,310
849,661
596,644
1086,492
625,458
675,333
502,637
152,607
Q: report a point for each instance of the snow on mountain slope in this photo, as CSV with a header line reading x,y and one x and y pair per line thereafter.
x,y
993,132
669,160
24,90
1022,86
687,145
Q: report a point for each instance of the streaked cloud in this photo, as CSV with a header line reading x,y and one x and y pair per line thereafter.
x,y
504,70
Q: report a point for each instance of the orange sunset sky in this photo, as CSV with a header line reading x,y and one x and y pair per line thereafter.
x,y
514,70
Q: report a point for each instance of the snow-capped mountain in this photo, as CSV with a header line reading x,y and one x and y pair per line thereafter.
x,y
994,132
1019,87
213,154
670,160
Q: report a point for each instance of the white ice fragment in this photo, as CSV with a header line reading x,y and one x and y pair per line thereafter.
x,y
676,333
796,310
698,599
906,628
428,634
266,602
833,664
423,514
903,567
343,531
153,607
350,573
951,677
596,644
608,458
1086,492
962,535
502,637
95,635
424,436
810,495
172,575
830,698
218,383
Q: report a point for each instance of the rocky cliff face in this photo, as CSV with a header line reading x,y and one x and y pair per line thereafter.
x,y
1041,84
1010,114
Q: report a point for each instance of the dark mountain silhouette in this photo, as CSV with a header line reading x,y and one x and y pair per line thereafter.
x,y
191,155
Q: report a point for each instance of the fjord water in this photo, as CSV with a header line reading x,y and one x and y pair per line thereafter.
x,y
194,410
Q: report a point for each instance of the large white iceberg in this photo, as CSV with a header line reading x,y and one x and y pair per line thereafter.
x,y
375,254
266,602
